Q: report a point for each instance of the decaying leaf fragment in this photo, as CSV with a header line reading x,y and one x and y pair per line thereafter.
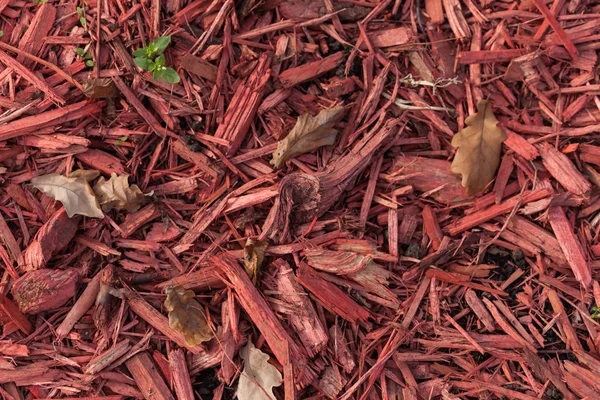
x,y
308,134
118,194
259,377
186,315
254,254
479,145
75,194
100,88
87,174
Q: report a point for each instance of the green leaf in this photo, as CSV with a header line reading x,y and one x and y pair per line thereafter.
x,y
79,10
161,44
169,75
80,52
89,63
1,33
151,65
160,61
87,56
140,52
83,21
157,74
142,62
150,50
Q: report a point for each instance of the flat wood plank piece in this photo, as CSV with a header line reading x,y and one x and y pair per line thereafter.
x,y
81,306
482,216
435,11
8,240
563,170
10,309
33,39
181,376
52,237
199,67
243,106
48,119
147,378
306,72
570,245
488,56
306,324
330,295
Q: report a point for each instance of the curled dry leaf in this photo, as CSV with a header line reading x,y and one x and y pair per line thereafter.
x,y
100,88
308,134
259,377
254,254
118,194
186,315
75,194
87,174
479,145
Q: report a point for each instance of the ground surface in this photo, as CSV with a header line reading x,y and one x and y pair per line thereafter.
x,y
382,278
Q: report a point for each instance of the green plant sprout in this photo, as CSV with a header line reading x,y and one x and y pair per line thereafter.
x,y
82,20
40,1
83,53
152,59
595,313
121,140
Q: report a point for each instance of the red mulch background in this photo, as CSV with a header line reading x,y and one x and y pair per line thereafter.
x,y
382,279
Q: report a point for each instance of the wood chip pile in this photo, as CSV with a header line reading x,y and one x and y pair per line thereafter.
x,y
298,177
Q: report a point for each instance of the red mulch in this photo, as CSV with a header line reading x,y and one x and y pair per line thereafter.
x,y
382,279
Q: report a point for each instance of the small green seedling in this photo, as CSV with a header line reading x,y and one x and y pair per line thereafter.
x,y
152,59
82,20
595,313
83,53
122,139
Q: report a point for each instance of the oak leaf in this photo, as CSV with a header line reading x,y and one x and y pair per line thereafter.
x,y
118,194
87,174
254,254
186,315
258,377
307,135
75,194
479,145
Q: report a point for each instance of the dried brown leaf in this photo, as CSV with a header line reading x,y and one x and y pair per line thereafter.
x,y
100,88
259,377
308,134
254,254
118,194
479,145
87,174
75,194
186,315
